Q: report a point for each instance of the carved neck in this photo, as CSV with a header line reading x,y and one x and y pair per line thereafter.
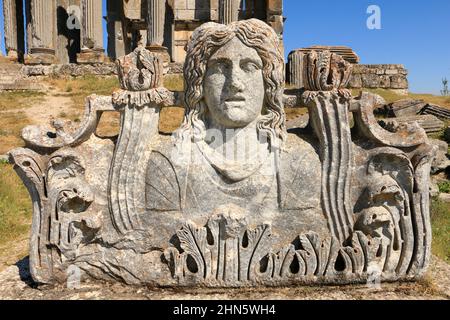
x,y
236,142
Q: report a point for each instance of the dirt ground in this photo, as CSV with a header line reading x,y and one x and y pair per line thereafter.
x,y
16,283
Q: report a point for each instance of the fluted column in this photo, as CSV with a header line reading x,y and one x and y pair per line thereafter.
x,y
156,16
229,11
92,50
42,47
9,15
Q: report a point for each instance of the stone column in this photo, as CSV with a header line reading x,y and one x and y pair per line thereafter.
x,y
92,50
42,47
156,15
13,20
9,15
116,43
295,66
229,11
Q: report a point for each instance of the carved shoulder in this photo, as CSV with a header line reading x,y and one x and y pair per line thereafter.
x,y
300,175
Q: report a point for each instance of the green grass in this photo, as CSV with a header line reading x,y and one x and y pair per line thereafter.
x,y
15,206
444,186
440,220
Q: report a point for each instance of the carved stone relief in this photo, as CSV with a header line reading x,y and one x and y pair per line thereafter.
x,y
232,198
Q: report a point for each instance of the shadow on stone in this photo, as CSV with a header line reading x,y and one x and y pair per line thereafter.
x,y
24,272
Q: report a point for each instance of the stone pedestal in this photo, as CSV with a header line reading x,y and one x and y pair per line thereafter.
x,y
92,56
92,50
155,28
42,48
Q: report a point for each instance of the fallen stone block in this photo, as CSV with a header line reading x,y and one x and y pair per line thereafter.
x,y
428,122
436,110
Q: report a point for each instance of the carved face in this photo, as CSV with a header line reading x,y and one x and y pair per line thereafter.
x,y
234,85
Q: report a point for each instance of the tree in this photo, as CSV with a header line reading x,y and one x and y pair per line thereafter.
x,y
445,91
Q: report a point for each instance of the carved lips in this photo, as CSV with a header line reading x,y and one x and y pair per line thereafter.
x,y
235,101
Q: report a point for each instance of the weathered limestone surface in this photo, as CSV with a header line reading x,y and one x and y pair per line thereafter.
x,y
11,78
296,60
42,33
392,77
428,122
156,17
155,30
440,112
441,162
91,33
71,30
228,11
405,107
16,284
13,28
232,199
116,35
385,76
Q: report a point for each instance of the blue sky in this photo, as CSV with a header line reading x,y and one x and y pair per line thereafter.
x,y
415,33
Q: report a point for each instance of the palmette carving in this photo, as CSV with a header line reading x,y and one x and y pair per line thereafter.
x,y
331,205
227,253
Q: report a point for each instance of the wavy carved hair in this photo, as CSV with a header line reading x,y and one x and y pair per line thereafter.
x,y
205,41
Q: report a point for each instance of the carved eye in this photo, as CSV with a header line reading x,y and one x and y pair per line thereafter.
x,y
249,66
220,66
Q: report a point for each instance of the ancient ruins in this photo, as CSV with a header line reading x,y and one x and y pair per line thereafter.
x,y
63,31
53,37
233,198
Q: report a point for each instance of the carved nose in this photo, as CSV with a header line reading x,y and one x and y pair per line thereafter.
x,y
236,82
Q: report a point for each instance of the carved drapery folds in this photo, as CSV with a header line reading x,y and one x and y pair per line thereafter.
x,y
326,75
140,100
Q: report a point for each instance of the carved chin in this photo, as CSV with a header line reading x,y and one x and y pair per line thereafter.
x,y
236,117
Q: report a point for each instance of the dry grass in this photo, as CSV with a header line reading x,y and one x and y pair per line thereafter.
x,y
292,113
391,96
109,125
80,88
12,117
174,82
11,124
170,119
13,100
